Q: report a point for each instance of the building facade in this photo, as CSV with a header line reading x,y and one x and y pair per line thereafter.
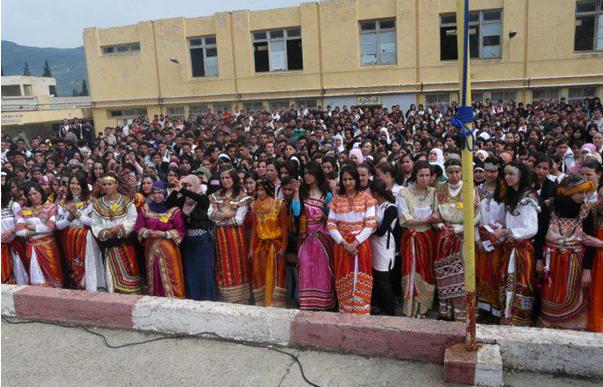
x,y
344,52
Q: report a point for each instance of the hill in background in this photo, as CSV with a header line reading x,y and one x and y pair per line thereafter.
x,y
67,65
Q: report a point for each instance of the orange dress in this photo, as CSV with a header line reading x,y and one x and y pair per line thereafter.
x,y
595,311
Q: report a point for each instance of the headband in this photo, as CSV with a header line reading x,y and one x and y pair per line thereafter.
x,y
490,166
110,178
513,169
453,168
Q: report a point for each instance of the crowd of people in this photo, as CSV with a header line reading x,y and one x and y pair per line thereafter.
x,y
355,209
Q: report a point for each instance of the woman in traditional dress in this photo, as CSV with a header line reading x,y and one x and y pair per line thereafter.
x,y
383,246
228,207
315,262
566,260
351,222
113,220
269,237
448,264
13,271
197,247
162,229
517,280
595,307
36,223
80,250
488,252
416,204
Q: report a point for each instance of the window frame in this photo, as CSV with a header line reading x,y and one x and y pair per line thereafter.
x,y
442,106
598,15
377,31
583,95
113,49
136,113
271,41
479,23
204,46
557,97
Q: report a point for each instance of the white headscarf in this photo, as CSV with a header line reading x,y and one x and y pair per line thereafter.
x,y
440,159
189,203
339,148
386,132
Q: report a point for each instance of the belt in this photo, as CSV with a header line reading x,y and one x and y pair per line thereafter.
x,y
195,232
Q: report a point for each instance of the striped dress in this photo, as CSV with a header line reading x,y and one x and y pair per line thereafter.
x,y
353,218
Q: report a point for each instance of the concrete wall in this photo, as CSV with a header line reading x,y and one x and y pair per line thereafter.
x,y
541,54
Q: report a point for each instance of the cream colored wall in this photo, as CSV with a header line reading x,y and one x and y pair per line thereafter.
x,y
540,54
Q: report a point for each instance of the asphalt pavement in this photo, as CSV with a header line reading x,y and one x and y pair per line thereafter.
x,y
36,354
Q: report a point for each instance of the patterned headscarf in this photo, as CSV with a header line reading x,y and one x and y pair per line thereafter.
x,y
159,186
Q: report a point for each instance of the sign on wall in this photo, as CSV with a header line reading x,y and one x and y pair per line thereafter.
x,y
368,100
12,118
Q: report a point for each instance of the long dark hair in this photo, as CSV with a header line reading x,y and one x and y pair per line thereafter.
x,y
237,187
379,188
314,169
83,182
266,185
511,197
352,170
32,184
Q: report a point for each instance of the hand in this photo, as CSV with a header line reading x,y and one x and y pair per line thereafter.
x,y
434,218
177,186
586,278
539,266
499,233
62,191
592,241
295,184
72,209
31,227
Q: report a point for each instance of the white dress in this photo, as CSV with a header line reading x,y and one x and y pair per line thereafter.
x,y
383,247
93,261
9,222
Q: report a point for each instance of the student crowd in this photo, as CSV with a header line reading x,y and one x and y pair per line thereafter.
x,y
350,209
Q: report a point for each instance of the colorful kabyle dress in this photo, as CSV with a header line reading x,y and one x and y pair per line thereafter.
x,y
13,250
353,218
564,301
163,261
232,266
449,264
489,253
81,253
121,267
42,252
269,236
418,281
517,271
315,262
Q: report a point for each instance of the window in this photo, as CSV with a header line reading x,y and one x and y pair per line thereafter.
x,y
221,107
253,106
485,35
279,104
589,25
378,42
278,50
175,110
199,109
545,94
128,113
11,91
204,56
442,100
121,48
504,95
27,90
52,90
478,96
580,93
307,103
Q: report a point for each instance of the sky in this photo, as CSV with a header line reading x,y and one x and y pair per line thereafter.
x,y
59,23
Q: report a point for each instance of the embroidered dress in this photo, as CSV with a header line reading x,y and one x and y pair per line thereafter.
x,y
349,219
489,253
564,303
121,268
595,308
418,281
315,262
42,251
232,267
517,270
13,249
268,237
80,250
163,261
449,264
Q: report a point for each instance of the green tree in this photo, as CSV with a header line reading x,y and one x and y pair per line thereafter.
x,y
46,72
84,87
26,70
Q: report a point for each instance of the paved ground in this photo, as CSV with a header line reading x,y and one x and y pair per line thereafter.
x,y
41,354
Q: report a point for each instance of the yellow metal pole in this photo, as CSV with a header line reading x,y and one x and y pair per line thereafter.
x,y
468,189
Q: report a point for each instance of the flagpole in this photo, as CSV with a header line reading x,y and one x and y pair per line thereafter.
x,y
466,116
